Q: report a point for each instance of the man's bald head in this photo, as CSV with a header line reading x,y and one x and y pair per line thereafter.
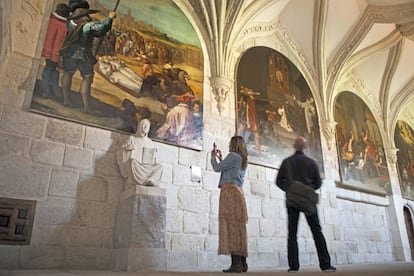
x,y
300,143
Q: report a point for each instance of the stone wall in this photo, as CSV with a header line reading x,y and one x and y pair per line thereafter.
x,y
71,171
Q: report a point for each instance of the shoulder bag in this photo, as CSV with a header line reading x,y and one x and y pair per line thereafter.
x,y
300,196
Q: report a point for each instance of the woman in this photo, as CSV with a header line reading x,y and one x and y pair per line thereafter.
x,y
232,205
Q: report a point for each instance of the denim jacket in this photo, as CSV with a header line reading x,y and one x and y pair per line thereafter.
x,y
230,168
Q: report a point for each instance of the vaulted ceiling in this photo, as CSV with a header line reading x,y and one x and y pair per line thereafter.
x,y
370,40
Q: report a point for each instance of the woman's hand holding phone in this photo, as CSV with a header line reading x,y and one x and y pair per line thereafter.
x,y
218,154
214,150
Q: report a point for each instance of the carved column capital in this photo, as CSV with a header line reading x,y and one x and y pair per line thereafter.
x,y
221,88
392,155
329,131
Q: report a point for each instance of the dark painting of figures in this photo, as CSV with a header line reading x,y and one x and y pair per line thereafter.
x,y
110,64
404,141
360,148
274,106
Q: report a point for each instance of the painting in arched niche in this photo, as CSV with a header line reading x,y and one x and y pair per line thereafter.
x,y
149,65
360,148
404,141
274,106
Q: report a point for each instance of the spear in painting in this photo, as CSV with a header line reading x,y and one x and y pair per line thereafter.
x,y
101,39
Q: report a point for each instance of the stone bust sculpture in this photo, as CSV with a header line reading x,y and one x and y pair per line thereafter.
x,y
137,158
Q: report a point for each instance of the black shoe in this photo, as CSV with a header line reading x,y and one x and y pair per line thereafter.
x,y
244,264
329,269
236,264
293,270
238,268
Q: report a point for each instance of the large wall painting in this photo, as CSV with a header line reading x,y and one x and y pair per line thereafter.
x,y
404,141
149,64
362,161
274,106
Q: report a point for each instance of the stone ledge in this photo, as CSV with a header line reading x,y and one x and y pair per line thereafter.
x,y
364,195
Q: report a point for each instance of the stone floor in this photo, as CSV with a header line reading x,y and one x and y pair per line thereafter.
x,y
394,269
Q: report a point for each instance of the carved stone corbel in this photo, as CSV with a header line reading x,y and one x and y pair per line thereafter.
x,y
329,131
221,88
392,155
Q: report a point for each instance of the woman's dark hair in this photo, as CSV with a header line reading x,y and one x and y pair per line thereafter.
x,y
238,145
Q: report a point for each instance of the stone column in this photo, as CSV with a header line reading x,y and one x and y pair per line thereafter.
x,y
139,232
400,242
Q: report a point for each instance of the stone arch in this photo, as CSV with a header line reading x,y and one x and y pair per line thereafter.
x,y
276,37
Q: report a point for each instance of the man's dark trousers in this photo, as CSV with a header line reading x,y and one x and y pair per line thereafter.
x,y
320,243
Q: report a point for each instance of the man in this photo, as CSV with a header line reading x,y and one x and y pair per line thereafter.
x,y
77,50
304,169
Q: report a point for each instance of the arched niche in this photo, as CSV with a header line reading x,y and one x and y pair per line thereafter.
x,y
274,106
362,161
409,226
404,141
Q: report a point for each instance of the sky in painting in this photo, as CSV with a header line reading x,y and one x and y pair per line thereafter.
x,y
163,14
